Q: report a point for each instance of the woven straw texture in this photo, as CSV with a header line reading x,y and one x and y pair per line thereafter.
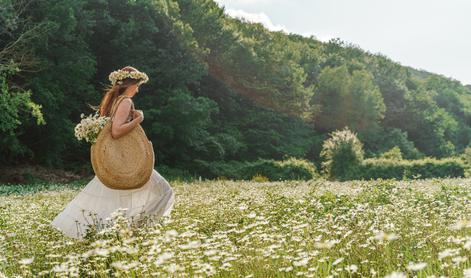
x,y
123,163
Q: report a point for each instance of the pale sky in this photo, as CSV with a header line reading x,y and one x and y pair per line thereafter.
x,y
434,35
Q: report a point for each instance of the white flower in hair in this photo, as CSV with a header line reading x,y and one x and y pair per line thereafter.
x,y
117,76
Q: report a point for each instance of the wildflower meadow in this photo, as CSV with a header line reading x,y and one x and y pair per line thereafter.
x,y
225,228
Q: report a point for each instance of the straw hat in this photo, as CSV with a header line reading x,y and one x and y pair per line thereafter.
x,y
123,163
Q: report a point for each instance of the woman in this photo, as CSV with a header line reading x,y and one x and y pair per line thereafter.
x,y
96,202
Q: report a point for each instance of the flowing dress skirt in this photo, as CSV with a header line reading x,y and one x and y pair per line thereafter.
x,y
97,201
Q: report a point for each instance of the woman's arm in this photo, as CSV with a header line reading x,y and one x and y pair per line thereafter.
x,y
119,127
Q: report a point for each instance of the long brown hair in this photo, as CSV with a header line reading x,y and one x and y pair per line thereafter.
x,y
112,92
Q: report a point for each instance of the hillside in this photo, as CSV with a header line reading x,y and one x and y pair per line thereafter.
x,y
220,88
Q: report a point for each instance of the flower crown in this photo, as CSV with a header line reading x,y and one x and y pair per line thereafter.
x,y
117,76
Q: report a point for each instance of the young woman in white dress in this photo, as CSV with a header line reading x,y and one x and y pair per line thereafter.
x,y
97,202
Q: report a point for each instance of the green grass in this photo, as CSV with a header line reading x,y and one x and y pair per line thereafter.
x,y
249,229
21,189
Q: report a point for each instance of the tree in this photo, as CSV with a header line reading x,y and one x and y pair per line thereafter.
x,y
343,99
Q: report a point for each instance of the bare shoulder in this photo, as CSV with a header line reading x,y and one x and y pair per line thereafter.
x,y
123,106
126,102
129,101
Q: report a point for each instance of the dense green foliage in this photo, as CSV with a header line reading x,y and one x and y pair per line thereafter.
x,y
13,105
374,168
342,155
343,159
384,168
221,89
288,169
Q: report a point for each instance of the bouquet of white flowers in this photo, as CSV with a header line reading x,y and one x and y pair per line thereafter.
x,y
90,126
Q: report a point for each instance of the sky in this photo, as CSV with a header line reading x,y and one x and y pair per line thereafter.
x,y
433,35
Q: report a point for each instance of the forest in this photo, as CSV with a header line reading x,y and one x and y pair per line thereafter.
x,y
221,89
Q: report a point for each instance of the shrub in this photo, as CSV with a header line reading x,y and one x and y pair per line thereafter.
x,y
394,154
374,168
174,173
342,155
288,169
259,178
466,158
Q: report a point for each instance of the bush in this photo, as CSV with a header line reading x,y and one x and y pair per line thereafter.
x,y
344,160
394,154
174,173
342,155
374,168
466,158
288,169
466,155
259,178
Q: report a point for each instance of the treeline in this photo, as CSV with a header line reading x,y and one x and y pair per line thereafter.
x,y
220,89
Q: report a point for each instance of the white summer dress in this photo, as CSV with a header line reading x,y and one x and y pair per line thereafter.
x,y
97,202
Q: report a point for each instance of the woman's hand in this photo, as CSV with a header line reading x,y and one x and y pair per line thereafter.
x,y
138,114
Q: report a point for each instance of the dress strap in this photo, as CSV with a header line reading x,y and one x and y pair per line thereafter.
x,y
118,100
